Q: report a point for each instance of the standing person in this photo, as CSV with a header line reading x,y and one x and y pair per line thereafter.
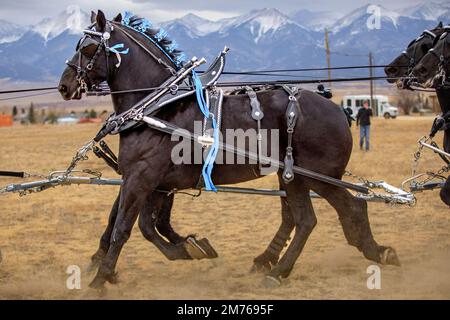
x,y
363,119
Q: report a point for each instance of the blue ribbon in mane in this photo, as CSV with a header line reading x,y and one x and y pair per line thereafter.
x,y
209,161
114,49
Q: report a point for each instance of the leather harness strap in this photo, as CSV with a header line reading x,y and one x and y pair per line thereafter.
x,y
257,115
292,113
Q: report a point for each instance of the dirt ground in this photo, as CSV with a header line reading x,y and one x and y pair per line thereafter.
x,y
42,234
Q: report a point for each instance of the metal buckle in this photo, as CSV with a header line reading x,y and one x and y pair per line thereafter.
x,y
173,89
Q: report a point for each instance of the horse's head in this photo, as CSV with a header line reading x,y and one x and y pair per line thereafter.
x,y
92,62
402,65
433,69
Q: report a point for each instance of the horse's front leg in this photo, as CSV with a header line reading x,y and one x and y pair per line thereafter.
x,y
153,208
163,220
154,223
140,180
105,240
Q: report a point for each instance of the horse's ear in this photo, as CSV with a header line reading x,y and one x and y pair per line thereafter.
x,y
93,17
440,25
118,18
101,21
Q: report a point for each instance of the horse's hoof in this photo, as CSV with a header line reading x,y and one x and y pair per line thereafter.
x,y
389,256
271,282
199,249
260,268
96,260
98,283
113,279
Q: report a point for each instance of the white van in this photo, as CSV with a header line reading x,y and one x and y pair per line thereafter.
x,y
382,106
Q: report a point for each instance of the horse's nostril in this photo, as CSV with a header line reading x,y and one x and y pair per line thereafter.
x,y
62,88
391,70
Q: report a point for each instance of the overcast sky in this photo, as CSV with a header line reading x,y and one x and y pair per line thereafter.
x,y
29,12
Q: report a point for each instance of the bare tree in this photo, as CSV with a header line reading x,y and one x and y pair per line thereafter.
x,y
407,101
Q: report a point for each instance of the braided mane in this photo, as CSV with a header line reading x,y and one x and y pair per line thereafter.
x,y
158,36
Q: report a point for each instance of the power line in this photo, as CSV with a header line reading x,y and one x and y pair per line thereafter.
x,y
249,73
28,90
26,96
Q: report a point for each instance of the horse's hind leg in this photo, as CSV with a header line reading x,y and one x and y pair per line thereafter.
x,y
304,218
265,261
354,219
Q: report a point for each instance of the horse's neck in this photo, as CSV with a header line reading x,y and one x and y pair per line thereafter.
x,y
137,71
444,99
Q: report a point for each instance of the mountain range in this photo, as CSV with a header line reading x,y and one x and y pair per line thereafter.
x,y
259,39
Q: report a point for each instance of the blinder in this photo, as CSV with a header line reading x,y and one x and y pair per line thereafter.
x,y
88,47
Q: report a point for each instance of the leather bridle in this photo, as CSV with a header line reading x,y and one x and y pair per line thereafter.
x,y
85,81
441,75
407,82
83,78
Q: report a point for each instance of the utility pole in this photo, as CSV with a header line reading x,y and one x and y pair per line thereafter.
x,y
327,48
374,108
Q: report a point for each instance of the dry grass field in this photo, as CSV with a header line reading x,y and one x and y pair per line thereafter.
x,y
42,234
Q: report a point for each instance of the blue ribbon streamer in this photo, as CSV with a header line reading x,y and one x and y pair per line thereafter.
x,y
119,46
114,49
211,158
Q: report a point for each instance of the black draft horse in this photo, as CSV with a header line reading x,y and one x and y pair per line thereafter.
x,y
434,71
417,62
322,142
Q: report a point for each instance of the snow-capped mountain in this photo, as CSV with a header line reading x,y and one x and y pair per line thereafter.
x,y
317,21
360,16
10,32
193,25
260,22
430,11
259,39
39,53
71,21
353,35
255,39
